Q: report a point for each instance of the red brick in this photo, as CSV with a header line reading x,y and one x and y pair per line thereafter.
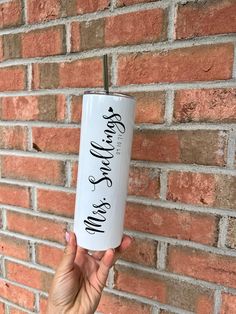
x,y
189,147
74,174
27,108
76,36
33,169
28,276
48,256
140,283
15,195
56,202
85,6
43,43
119,305
2,307
79,73
172,223
13,137
12,78
17,295
37,227
142,251
130,2
191,188
202,63
202,265
176,293
208,18
210,105
10,14
202,189
16,311
43,10
144,182
14,247
76,109
231,234
228,304
126,29
43,301
58,140
150,107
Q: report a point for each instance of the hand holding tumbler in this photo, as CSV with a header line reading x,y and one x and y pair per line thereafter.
x,y
105,149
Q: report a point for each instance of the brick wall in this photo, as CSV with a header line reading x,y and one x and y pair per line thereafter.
x,y
178,58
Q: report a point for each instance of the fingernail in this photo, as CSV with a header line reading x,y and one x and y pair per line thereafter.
x,y
67,237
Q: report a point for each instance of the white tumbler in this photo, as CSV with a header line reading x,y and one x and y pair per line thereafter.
x,y
102,183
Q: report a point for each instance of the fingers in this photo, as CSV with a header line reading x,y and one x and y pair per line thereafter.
x,y
69,253
105,265
125,243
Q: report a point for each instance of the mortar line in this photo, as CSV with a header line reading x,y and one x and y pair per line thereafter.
x,y
172,14
68,37
37,302
33,252
161,255
39,214
68,173
29,138
130,88
8,303
146,301
217,302
28,238
183,278
29,77
183,243
163,184
223,228
122,50
33,192
231,151
30,265
68,110
169,107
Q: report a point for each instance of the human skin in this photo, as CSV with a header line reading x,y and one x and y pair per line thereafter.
x,y
80,278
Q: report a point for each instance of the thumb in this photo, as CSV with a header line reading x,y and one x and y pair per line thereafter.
x,y
67,262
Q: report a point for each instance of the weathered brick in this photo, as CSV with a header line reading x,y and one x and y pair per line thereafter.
x,y
162,289
13,137
12,78
43,108
56,202
228,304
28,276
150,107
208,18
59,140
202,265
76,109
14,247
33,169
85,6
142,251
17,295
202,189
44,42
14,195
210,105
231,233
12,46
10,14
119,305
144,182
202,63
48,255
35,226
172,223
136,27
74,174
79,73
190,147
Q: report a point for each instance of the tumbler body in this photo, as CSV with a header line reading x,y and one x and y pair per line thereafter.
x,y
102,182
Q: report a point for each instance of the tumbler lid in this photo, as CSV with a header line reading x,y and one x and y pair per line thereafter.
x,y
105,93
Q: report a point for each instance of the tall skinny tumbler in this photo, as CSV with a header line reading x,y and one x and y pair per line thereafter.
x,y
105,148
